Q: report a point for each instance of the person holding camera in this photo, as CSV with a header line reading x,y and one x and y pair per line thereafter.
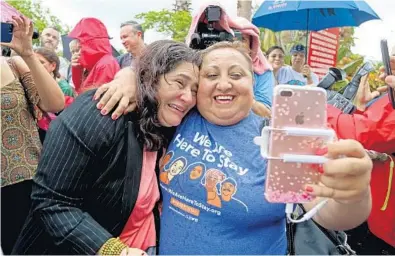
x,y
27,90
212,24
374,127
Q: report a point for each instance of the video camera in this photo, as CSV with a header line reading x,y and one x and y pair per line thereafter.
x,y
344,101
206,34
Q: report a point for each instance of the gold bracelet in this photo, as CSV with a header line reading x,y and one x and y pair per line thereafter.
x,y
113,246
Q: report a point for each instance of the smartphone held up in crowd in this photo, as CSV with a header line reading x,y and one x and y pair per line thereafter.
x,y
386,61
297,131
6,32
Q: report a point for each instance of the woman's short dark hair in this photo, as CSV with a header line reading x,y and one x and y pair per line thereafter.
x,y
158,58
274,48
51,57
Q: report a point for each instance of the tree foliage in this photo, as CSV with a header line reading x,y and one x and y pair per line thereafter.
x,y
173,23
41,17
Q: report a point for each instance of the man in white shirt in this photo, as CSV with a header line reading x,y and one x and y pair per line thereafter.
x,y
132,37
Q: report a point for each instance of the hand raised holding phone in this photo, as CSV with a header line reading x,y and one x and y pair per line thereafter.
x,y
389,65
389,80
22,42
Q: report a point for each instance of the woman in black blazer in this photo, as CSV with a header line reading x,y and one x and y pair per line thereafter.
x,y
87,182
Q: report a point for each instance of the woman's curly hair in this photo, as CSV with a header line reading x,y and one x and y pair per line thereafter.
x,y
157,59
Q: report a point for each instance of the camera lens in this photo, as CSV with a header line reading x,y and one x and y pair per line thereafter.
x,y
36,34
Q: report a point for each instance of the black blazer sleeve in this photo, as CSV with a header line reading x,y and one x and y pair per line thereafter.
x,y
74,147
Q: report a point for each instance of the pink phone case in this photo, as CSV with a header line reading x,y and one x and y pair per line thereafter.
x,y
305,108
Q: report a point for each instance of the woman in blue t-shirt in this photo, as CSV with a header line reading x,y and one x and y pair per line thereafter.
x,y
219,207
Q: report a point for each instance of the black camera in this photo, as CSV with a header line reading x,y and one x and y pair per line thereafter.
x,y
36,34
206,34
343,100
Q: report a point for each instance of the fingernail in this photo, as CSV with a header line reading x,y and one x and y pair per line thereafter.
x,y
99,106
321,151
309,189
103,112
318,167
114,117
314,166
94,98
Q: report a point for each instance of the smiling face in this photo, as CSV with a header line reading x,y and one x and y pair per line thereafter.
x,y
176,167
276,58
130,38
228,189
225,94
177,93
298,60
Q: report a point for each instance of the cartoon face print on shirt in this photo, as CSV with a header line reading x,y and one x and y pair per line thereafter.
x,y
196,172
210,181
228,188
176,167
165,160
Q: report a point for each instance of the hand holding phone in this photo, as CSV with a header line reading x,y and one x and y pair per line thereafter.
x,y
21,37
303,109
6,32
387,65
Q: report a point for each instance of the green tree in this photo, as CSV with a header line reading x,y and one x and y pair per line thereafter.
x,y
172,23
40,16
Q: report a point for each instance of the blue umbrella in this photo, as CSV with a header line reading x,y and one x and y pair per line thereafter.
x,y
279,15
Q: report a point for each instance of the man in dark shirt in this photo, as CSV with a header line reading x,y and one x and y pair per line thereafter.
x,y
132,37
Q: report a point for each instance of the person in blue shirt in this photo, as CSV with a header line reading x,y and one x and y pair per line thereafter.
x,y
214,203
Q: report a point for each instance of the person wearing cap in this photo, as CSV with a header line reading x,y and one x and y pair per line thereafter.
x,y
299,73
94,65
132,37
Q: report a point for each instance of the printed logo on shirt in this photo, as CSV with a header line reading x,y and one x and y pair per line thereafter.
x,y
213,186
295,82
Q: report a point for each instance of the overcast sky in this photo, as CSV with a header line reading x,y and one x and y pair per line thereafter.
x,y
114,12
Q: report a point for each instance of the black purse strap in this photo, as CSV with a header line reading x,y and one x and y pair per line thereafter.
x,y
341,247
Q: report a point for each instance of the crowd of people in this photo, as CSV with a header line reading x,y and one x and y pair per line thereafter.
x,y
152,152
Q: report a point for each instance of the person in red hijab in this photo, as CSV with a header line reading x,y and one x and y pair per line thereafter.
x,y
94,65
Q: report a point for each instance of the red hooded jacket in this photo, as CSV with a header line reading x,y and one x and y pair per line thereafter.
x,y
96,55
375,130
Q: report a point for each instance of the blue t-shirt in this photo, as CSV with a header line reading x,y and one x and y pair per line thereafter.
x,y
212,182
286,75
263,87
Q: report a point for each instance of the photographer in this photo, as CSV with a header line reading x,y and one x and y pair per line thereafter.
x,y
374,128
215,18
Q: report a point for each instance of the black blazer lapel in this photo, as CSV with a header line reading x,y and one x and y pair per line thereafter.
x,y
134,160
